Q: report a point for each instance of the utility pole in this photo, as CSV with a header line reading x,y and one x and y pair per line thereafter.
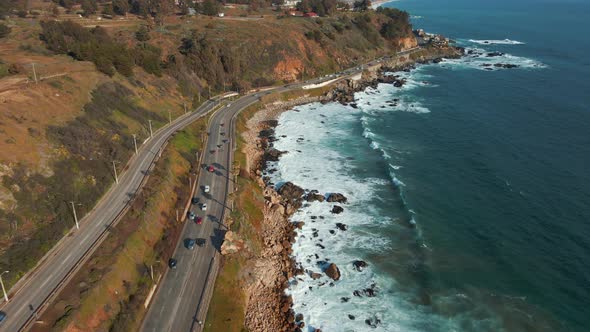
x,y
197,155
209,92
152,271
151,133
34,73
190,182
184,105
177,217
75,215
4,289
199,97
115,169
169,117
135,142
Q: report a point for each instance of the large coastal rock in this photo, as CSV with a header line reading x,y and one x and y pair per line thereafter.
x,y
337,209
290,191
337,198
332,271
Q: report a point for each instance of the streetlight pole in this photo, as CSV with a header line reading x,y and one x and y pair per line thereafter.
x,y
169,117
115,169
135,142
4,289
75,215
151,133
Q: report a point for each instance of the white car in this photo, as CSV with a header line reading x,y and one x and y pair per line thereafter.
x,y
204,207
207,189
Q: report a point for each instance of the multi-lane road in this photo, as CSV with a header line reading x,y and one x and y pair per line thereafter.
x,y
175,306
40,284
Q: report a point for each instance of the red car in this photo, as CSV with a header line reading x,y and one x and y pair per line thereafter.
x,y
211,169
199,220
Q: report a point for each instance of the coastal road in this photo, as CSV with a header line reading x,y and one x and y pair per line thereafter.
x,y
175,305
36,288
183,296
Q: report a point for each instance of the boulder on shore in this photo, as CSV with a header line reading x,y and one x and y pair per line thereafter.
x,y
337,209
332,271
337,197
313,196
290,191
341,226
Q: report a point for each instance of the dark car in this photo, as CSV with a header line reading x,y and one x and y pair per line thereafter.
x,y
2,316
191,215
172,263
195,200
190,244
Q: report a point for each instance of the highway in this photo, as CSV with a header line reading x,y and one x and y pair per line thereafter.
x,y
175,305
40,284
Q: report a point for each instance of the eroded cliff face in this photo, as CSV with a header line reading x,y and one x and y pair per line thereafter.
x,y
407,43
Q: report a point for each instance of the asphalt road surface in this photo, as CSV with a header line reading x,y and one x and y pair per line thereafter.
x,y
175,305
23,306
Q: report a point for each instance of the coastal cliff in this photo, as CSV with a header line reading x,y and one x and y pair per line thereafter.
x,y
267,306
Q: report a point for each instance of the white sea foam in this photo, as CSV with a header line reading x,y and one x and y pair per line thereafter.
x,y
478,58
496,42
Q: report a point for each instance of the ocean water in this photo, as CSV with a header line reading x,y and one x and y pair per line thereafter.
x,y
468,188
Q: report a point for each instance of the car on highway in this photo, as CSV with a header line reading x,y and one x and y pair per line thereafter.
x,y
190,244
199,220
195,200
191,215
211,168
222,133
221,124
2,316
212,151
206,189
204,206
172,263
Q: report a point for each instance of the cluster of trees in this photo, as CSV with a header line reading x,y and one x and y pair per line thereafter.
x,y
320,7
97,46
362,5
4,30
397,26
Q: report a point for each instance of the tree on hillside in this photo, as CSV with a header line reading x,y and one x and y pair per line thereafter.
x,y
160,9
54,10
211,7
4,30
89,7
362,5
121,7
108,10
142,34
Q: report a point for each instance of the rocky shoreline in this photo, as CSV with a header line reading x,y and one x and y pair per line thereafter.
x,y
268,308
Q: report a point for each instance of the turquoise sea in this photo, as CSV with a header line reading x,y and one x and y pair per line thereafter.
x,y
469,189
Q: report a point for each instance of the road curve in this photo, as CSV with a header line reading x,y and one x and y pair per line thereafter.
x,y
27,301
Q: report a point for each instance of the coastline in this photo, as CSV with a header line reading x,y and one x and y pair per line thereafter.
x,y
268,307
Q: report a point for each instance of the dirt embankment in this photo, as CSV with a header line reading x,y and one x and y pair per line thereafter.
x,y
267,306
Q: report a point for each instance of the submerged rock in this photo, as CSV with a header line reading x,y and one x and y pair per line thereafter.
x,y
359,265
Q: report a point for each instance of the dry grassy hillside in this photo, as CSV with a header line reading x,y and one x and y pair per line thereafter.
x,y
59,136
